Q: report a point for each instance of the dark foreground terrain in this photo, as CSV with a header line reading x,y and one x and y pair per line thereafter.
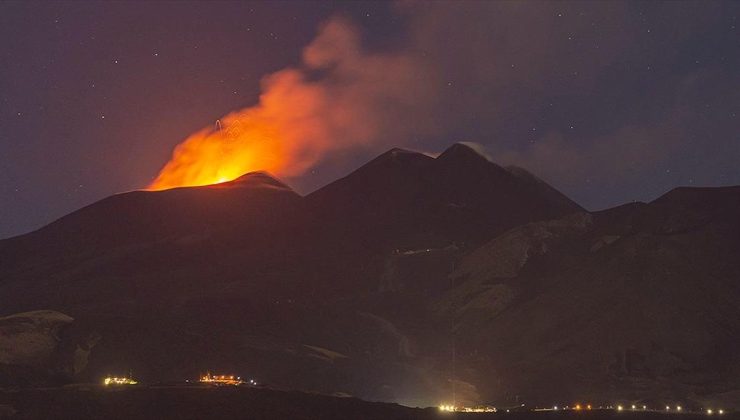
x,y
180,402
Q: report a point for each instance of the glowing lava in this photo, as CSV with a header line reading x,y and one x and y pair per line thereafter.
x,y
223,153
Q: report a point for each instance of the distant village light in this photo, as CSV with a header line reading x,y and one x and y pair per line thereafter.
x,y
476,409
113,380
221,379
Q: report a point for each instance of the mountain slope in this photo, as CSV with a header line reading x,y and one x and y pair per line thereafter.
x,y
92,254
407,202
637,301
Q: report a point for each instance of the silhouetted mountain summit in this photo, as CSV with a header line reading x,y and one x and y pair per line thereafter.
x,y
459,196
255,180
462,153
145,218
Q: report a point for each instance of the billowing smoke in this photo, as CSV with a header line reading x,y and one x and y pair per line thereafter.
x,y
341,97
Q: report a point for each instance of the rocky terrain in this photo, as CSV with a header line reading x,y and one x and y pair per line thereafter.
x,y
42,347
413,280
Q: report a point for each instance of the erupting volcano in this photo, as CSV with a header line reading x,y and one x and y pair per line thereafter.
x,y
301,117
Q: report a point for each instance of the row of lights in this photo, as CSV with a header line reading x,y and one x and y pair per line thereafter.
x,y
217,379
668,408
112,380
451,408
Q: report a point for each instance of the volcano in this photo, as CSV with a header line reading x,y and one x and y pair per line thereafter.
x,y
369,285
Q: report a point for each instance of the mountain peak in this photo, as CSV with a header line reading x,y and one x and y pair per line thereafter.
x,y
466,152
256,179
397,156
399,153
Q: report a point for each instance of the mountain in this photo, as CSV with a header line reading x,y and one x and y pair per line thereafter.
x,y
369,285
136,234
151,216
459,196
408,202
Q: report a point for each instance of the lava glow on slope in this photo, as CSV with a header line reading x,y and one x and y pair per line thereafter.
x,y
223,153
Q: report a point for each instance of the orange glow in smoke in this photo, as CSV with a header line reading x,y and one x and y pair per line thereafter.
x,y
296,122
285,134
300,118
233,147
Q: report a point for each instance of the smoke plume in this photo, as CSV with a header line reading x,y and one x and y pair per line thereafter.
x,y
339,98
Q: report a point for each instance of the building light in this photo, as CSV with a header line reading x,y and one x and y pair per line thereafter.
x,y
447,407
709,411
221,379
678,408
620,408
112,380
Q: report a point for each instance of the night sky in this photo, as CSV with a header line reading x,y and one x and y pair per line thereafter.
x,y
608,101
